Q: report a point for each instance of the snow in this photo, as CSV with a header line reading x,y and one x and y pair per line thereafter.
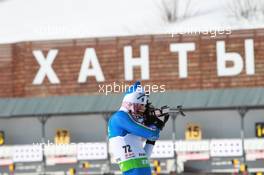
x,y
28,20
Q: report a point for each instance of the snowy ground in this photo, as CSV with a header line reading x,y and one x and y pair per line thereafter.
x,y
24,20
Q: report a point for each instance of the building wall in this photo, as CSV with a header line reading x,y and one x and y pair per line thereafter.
x,y
92,128
19,66
6,65
21,130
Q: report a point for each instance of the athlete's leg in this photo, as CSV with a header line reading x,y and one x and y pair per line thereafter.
x,y
138,171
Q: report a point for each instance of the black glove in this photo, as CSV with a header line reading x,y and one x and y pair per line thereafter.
x,y
152,118
150,142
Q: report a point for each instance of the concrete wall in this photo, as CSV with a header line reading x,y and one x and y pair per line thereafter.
x,y
21,130
214,124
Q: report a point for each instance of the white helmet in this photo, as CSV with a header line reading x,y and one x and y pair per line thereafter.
x,y
135,94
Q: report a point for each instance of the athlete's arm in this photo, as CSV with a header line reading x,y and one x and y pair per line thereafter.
x,y
149,144
127,123
149,147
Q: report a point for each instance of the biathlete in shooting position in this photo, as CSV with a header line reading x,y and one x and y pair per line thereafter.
x,y
126,128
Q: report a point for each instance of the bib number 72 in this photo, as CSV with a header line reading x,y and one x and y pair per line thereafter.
x,y
127,148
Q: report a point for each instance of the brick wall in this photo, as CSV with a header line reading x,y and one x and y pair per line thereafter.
x,y
6,76
18,67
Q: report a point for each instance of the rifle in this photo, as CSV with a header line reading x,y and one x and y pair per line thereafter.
x,y
158,116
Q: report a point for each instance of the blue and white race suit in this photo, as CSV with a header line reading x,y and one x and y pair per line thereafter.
x,y
126,143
